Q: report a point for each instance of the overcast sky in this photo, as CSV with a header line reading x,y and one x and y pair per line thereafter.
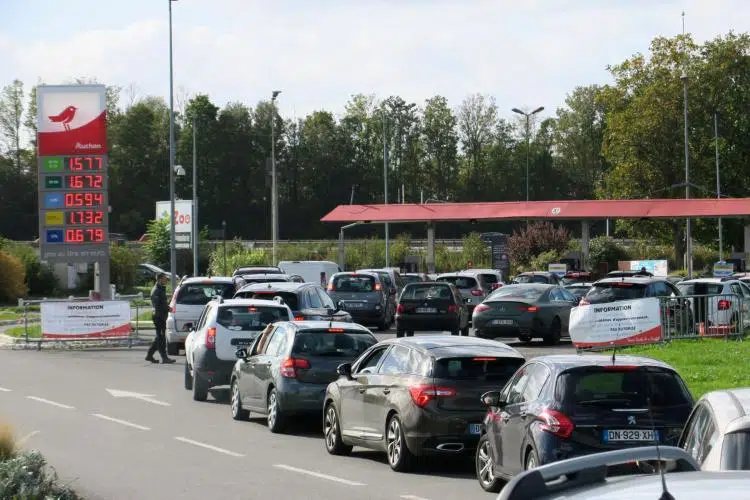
x,y
319,52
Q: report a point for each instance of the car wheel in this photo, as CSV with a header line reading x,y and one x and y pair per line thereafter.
x,y
400,457
383,326
532,460
455,332
188,378
400,333
238,413
200,388
332,432
524,338
554,333
173,348
410,333
484,465
465,331
273,413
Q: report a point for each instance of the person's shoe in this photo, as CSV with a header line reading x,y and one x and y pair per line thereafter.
x,y
151,359
168,361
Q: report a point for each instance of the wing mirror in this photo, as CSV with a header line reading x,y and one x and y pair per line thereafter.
x,y
188,327
493,399
241,353
344,370
340,305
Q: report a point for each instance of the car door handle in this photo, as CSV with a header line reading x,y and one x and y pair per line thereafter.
x,y
386,391
505,417
523,415
362,391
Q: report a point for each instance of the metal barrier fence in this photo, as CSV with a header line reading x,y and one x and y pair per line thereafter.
x,y
696,316
137,306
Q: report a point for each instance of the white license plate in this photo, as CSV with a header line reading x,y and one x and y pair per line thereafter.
x,y
624,435
426,310
475,429
353,305
503,322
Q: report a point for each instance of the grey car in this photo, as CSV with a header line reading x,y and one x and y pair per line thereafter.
x,y
471,286
363,296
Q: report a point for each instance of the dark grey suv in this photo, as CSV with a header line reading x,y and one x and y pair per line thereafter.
x,y
362,295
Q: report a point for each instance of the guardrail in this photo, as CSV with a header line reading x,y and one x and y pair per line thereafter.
x,y
695,316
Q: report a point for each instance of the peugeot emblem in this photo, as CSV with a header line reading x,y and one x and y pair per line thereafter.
x,y
631,420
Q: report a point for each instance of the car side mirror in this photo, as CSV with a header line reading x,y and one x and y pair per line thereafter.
x,y
467,300
241,353
339,305
493,399
344,370
330,311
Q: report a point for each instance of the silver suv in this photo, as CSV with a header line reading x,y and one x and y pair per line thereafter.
x,y
471,285
188,301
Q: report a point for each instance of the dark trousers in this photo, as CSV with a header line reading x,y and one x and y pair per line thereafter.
x,y
160,341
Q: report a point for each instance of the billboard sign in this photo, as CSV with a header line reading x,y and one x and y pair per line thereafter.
x,y
183,220
71,120
70,320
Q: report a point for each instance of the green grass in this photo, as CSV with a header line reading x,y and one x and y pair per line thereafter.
x,y
705,364
145,315
35,331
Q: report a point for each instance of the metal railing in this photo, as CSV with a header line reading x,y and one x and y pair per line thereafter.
x,y
695,316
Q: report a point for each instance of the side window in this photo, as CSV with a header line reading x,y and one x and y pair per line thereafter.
x,y
419,364
370,363
710,436
567,295
537,377
515,394
325,299
505,393
313,299
396,361
736,289
661,289
696,427
275,342
202,320
555,295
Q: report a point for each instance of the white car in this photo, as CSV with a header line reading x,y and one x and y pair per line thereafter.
x,y
728,300
224,327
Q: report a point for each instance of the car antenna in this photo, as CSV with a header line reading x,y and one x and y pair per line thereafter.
x,y
665,494
614,352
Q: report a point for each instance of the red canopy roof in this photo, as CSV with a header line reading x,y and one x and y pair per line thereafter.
x,y
563,209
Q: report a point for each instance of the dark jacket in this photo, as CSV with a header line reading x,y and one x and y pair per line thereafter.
x,y
159,302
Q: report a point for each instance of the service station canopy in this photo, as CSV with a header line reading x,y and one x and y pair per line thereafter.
x,y
563,210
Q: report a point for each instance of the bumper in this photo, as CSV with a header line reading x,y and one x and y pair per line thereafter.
x,y
441,433
174,336
367,315
298,397
427,322
485,328
210,368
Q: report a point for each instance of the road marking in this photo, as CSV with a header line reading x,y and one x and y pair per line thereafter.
x,y
149,398
3,389
210,447
52,403
413,497
318,475
121,422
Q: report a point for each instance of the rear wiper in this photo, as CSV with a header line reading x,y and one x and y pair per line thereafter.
x,y
330,353
612,401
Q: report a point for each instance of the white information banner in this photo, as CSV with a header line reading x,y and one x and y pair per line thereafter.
x,y
620,323
71,320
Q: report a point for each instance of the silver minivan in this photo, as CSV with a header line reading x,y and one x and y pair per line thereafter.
x,y
188,301
471,286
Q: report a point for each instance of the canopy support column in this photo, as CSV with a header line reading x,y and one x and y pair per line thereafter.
x,y
585,243
430,259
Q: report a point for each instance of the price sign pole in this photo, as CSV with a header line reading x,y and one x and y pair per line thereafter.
x,y
73,178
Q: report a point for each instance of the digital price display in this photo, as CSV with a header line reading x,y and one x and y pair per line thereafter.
x,y
84,217
88,235
84,181
83,163
73,200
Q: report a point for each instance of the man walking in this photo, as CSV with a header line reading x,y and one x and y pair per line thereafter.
x,y
161,309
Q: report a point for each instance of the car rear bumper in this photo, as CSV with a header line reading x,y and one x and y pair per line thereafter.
x,y
366,315
300,397
427,322
210,368
523,326
441,433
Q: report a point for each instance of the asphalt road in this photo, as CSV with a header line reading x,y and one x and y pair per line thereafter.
x,y
117,427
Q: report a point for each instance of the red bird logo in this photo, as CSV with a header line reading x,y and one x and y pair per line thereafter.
x,y
65,117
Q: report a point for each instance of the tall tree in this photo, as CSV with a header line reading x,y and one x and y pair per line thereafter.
x,y
11,119
477,121
440,147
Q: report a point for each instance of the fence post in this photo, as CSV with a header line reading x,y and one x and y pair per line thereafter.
x,y
137,321
26,321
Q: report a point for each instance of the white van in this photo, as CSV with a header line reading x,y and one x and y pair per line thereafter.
x,y
312,271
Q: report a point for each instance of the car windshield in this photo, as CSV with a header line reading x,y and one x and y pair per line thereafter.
x,y
355,283
517,292
480,368
422,291
531,278
578,291
624,387
289,298
247,318
700,288
461,282
200,294
346,344
612,292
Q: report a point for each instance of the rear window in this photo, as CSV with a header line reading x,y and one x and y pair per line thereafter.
x,y
461,282
423,291
531,278
518,291
411,279
289,298
490,279
246,318
578,291
736,451
611,292
200,294
701,288
627,388
480,368
347,344
256,270
255,279
354,283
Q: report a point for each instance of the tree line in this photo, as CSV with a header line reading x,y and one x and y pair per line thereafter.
x,y
620,140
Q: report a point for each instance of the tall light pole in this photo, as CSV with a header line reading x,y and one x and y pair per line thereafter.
x,y
385,190
718,182
528,135
274,190
172,244
195,203
688,232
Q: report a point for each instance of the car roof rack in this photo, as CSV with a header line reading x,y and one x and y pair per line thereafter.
x,y
557,477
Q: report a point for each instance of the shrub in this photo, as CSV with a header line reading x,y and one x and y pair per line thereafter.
x,y
12,278
123,267
40,278
7,442
534,239
605,249
26,476
543,260
159,239
237,256
476,251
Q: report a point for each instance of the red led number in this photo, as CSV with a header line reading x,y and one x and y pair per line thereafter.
x,y
87,181
84,199
78,164
85,217
84,235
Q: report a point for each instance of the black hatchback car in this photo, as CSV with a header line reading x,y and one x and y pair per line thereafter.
x,y
308,301
563,406
415,396
431,306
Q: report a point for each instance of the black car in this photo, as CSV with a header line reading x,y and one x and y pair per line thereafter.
x,y
363,296
415,396
287,369
562,406
414,277
431,306
538,277
308,301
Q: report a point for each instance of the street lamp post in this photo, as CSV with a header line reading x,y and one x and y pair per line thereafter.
x,y
528,134
718,182
195,203
688,232
385,191
274,189
172,244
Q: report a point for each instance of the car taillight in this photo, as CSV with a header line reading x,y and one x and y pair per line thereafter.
x,y
584,302
423,394
477,293
400,308
531,309
495,286
556,423
481,307
299,318
173,302
378,287
452,308
211,338
620,368
724,304
290,366
331,287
